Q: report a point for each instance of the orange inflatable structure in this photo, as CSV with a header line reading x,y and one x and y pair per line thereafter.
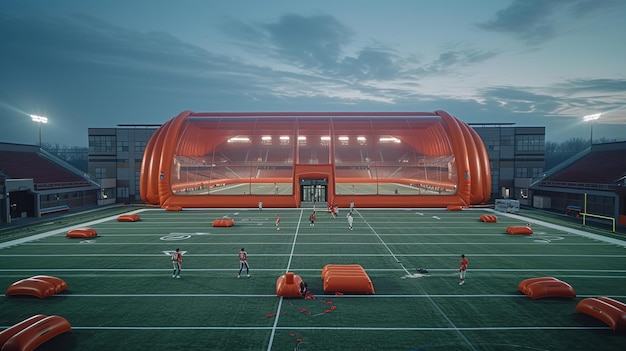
x,y
82,233
389,159
40,286
537,288
519,230
133,217
288,285
609,311
346,279
31,333
487,218
173,208
225,222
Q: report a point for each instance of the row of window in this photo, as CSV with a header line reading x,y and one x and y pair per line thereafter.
x,y
528,172
108,144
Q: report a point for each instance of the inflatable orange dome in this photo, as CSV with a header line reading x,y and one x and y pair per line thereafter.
x,y
283,159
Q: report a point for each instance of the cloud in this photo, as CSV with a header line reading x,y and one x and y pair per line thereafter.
x,y
452,58
521,101
537,21
315,41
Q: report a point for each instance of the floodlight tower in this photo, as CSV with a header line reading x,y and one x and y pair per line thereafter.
x,y
39,120
591,118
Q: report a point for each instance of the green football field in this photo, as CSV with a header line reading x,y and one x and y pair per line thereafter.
x,y
122,295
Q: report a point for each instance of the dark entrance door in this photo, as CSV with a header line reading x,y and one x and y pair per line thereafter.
x,y
314,189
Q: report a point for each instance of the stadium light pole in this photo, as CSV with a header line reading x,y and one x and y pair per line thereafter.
x,y
591,118
39,120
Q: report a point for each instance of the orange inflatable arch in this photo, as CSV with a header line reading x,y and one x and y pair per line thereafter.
x,y
388,159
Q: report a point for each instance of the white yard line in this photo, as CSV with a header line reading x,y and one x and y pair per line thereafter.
x,y
280,302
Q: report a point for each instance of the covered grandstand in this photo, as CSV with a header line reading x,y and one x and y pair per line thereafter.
x,y
35,182
594,179
401,159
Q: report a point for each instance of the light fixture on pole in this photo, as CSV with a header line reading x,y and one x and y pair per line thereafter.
x,y
39,120
591,118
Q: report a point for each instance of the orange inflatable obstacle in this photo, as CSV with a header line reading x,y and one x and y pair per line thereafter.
x,y
226,222
609,311
40,286
487,218
82,233
173,208
519,230
288,285
32,332
455,208
338,267
346,279
128,218
537,288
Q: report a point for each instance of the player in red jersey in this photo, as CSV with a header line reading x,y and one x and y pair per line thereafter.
x,y
277,222
463,269
177,262
312,218
243,262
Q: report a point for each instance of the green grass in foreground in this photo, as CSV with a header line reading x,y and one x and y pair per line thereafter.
x,y
122,296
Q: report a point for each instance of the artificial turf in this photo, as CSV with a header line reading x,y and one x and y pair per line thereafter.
x,y
122,296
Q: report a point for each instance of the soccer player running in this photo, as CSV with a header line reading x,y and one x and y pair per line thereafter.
x,y
177,262
312,218
463,269
243,262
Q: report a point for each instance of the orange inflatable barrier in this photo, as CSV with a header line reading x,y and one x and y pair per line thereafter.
x,y
224,222
59,284
455,208
524,283
348,284
487,218
288,285
34,335
128,218
40,286
610,301
173,208
6,334
549,288
609,311
82,233
347,279
519,230
330,267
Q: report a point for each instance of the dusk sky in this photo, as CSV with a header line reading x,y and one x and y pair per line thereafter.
x,y
87,64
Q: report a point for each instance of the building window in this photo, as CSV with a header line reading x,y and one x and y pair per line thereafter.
x,y
102,143
527,143
521,172
537,171
122,146
140,146
101,173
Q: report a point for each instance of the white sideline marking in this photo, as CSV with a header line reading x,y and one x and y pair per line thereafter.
x,y
606,239
62,230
